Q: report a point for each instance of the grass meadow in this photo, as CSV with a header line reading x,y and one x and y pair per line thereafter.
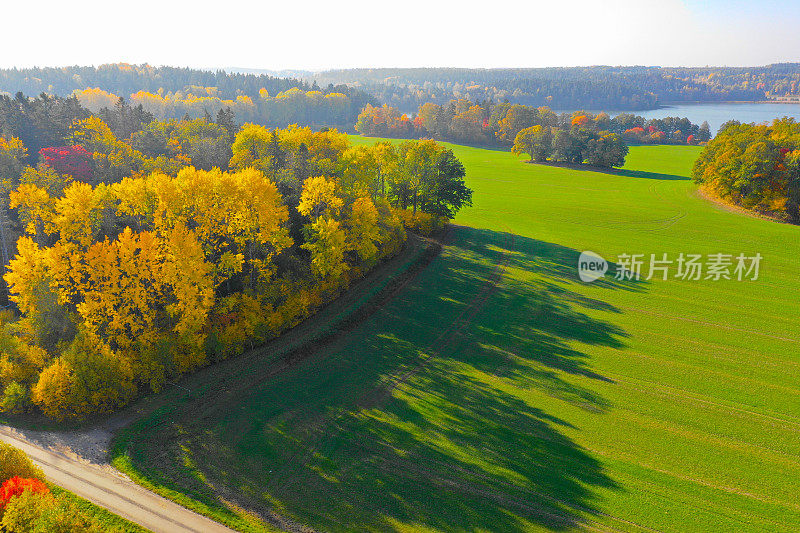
x,y
496,392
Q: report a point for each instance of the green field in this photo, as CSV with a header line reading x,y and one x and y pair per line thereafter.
x,y
496,392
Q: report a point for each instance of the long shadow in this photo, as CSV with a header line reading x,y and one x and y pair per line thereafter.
x,y
421,417
643,174
648,175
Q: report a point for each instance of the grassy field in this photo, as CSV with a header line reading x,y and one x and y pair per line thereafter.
x,y
497,392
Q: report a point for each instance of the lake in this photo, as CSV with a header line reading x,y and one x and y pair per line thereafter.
x,y
718,114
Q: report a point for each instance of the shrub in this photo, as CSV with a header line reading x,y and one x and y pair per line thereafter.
x,y
421,223
15,398
14,462
42,513
17,485
88,378
22,513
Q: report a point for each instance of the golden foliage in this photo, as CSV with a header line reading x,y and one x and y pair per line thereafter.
x,y
138,281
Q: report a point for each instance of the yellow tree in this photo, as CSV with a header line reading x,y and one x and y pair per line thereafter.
x,y
36,210
251,148
320,202
363,231
12,153
327,247
319,198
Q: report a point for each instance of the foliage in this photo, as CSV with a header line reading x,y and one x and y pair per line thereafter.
x,y
38,512
385,121
291,106
47,179
16,485
755,166
14,462
421,223
87,378
622,87
114,159
15,398
143,274
199,142
167,92
74,161
12,156
594,139
39,122
579,144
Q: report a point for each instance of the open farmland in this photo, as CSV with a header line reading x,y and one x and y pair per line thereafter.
x,y
497,392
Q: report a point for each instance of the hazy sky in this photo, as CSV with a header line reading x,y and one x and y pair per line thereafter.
x,y
368,33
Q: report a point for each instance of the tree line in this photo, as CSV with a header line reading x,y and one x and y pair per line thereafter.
x,y
168,92
142,258
578,137
293,106
755,166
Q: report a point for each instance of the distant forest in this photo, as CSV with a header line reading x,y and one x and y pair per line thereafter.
x,y
598,88
169,92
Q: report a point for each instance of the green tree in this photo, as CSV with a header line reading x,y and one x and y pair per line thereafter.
x,y
446,193
566,147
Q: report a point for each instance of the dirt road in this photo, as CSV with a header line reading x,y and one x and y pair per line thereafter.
x,y
112,490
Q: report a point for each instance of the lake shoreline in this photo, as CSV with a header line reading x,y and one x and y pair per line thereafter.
x,y
665,105
718,113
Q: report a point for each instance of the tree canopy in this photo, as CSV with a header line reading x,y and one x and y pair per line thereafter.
x,y
755,166
143,258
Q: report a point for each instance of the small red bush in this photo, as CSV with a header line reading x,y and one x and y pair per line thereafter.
x,y
17,485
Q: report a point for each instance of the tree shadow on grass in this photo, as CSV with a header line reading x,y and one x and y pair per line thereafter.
x,y
434,413
614,171
648,175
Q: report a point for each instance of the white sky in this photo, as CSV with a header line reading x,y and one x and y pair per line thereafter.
x,y
359,33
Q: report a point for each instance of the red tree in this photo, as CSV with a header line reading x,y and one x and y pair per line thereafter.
x,y
73,160
580,120
17,485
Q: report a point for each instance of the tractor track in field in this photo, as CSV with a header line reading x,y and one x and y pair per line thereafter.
x,y
675,392
239,379
384,390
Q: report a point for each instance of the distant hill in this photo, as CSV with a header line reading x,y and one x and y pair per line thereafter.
x,y
593,87
125,79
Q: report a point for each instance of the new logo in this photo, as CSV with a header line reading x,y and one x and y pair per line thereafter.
x,y
591,267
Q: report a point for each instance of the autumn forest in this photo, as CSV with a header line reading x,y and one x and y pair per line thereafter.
x,y
146,248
